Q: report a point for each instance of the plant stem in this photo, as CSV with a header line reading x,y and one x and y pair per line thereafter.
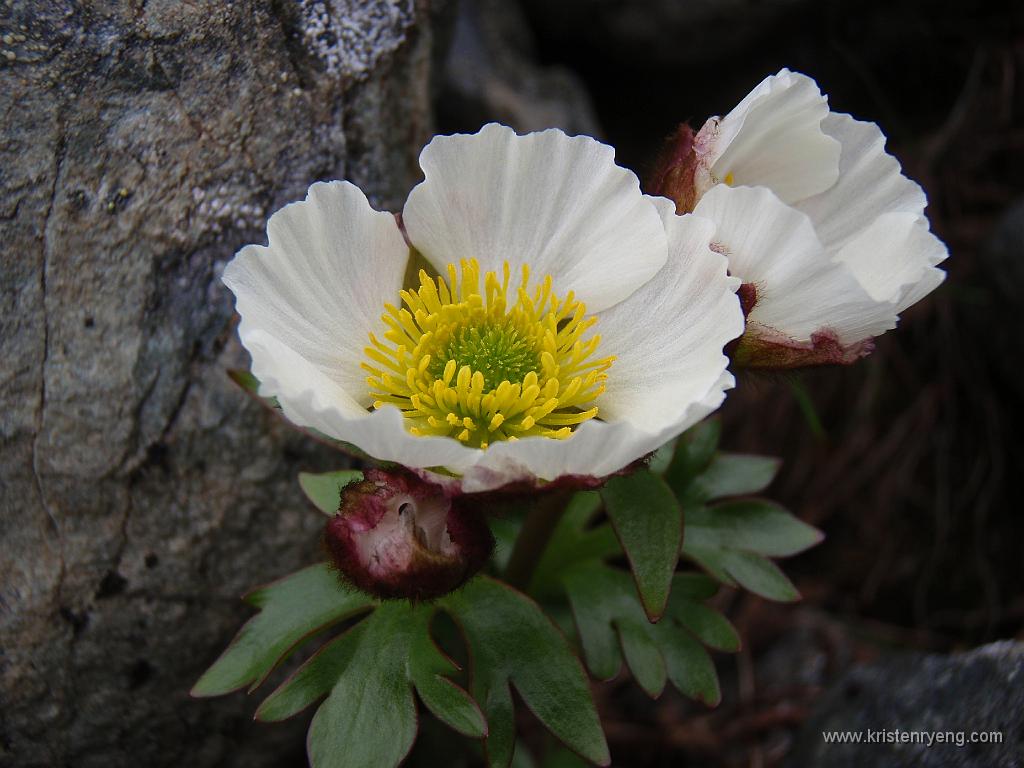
x,y
540,522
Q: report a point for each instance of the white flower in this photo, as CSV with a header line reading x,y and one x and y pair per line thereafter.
x,y
817,220
576,325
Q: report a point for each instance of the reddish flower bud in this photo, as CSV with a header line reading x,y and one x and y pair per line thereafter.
x,y
747,294
397,536
674,170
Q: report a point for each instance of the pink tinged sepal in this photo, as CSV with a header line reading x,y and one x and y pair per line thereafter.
x,y
398,536
765,349
675,170
682,170
747,294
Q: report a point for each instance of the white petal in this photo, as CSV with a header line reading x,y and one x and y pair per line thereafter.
x,y
668,336
310,399
595,449
870,183
556,202
799,289
320,285
894,259
774,138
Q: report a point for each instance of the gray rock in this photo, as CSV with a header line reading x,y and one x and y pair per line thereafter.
x,y
981,691
142,143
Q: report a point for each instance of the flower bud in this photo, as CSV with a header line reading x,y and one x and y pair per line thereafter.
x,y
397,536
674,170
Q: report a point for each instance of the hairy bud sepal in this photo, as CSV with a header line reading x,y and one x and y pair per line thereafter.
x,y
674,172
396,536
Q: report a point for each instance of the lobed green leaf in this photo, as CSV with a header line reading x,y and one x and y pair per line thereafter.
x,y
369,718
609,617
448,702
751,524
749,570
513,643
291,610
706,624
369,675
733,540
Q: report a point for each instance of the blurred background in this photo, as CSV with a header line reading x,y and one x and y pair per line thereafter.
x,y
143,143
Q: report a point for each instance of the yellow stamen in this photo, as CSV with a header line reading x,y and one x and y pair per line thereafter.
x,y
460,360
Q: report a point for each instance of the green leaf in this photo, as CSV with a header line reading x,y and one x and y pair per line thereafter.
x,y
505,530
448,702
643,656
731,542
571,542
369,674
693,585
691,670
324,490
705,623
606,608
291,610
369,718
731,474
562,758
452,705
522,758
694,451
662,458
649,523
759,575
316,677
752,524
711,560
513,643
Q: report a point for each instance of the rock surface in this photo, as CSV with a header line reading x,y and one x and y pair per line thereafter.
x,y
142,143
979,691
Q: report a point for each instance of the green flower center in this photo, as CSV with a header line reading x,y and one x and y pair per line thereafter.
x,y
499,352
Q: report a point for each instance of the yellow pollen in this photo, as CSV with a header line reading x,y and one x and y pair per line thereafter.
x,y
729,179
459,360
